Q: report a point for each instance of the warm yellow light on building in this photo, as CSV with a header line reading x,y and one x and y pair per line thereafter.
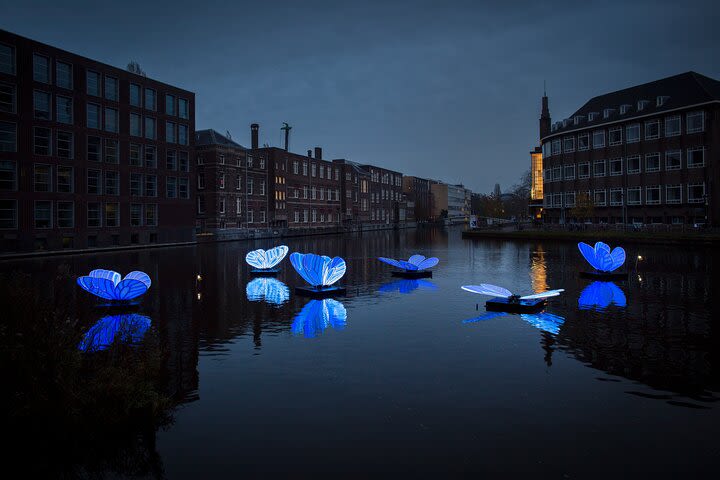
x,y
536,168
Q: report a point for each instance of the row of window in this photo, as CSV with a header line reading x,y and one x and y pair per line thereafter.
x,y
313,216
317,193
48,214
694,123
323,171
249,214
631,196
238,161
98,182
238,184
96,84
673,160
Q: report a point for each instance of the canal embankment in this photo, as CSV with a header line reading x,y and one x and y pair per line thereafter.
x,y
609,236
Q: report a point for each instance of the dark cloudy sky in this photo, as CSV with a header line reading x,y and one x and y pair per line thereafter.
x,y
444,89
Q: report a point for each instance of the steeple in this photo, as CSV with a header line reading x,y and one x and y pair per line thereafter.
x,y
544,115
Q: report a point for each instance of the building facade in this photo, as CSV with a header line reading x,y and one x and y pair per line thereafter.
x,y
417,191
232,186
385,195
304,190
90,155
648,154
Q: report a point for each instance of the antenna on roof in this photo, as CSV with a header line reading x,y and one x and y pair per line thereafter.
x,y
227,134
544,89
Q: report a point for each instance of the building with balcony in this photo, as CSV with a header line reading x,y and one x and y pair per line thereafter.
x,y
90,155
646,154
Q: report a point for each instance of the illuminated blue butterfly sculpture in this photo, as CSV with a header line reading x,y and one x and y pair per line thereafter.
x,y
107,284
547,322
317,316
271,290
600,295
406,286
601,257
319,271
500,292
266,259
129,328
413,264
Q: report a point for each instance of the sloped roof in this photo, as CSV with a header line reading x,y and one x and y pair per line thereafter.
x,y
212,137
685,89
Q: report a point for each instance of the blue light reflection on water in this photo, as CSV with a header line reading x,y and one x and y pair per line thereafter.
x,y
127,328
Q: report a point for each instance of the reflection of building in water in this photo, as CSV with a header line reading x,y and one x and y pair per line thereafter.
x,y
538,270
664,338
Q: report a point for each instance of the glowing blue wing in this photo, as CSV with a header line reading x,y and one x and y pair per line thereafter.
x,y
485,316
111,275
315,266
617,258
410,267
271,290
257,258
487,289
390,261
275,255
129,289
416,259
140,277
129,328
549,293
588,253
602,247
547,322
333,271
100,287
428,263
298,261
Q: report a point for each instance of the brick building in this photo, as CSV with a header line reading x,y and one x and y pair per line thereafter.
x,y
354,192
90,155
642,155
417,191
304,190
385,195
232,185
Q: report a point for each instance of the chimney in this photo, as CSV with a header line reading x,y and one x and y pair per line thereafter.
x,y
318,153
309,153
254,135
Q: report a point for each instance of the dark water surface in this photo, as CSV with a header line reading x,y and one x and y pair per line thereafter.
x,y
405,386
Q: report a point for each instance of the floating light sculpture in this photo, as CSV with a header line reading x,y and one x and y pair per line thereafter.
x,y
107,284
407,285
128,328
265,261
414,267
602,259
505,301
317,316
547,322
319,271
270,290
600,295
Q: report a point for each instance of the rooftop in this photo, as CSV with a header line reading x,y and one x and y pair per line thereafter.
x,y
211,137
678,91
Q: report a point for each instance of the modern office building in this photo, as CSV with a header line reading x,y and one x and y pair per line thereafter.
x,y
642,155
232,186
90,155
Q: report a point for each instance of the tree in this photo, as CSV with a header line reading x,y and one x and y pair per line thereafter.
x,y
584,206
134,67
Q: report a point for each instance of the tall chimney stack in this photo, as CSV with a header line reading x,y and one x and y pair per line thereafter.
x,y
318,153
309,153
254,135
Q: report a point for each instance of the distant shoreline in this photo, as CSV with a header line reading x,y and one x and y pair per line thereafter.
x,y
655,238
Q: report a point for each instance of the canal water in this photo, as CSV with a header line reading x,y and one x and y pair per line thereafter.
x,y
404,377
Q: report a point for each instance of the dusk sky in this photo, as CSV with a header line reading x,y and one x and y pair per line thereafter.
x,y
445,90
